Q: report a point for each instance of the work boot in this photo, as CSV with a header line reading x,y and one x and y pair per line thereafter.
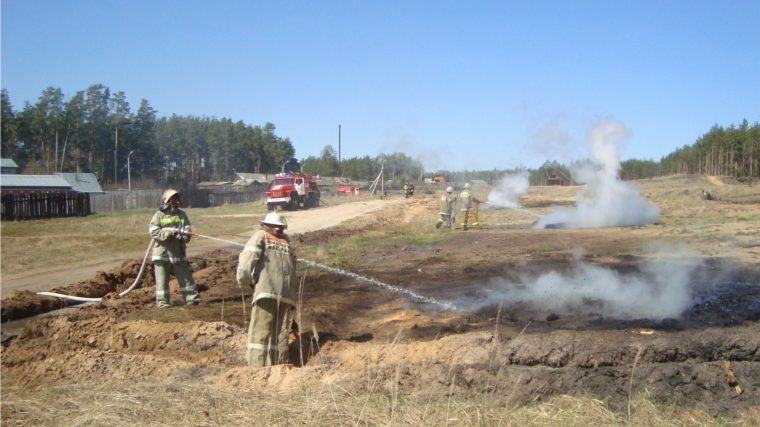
x,y
438,224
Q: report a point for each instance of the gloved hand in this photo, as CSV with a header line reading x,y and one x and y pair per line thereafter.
x,y
182,232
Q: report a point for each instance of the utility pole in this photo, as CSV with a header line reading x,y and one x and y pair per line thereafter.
x,y
115,178
339,165
129,172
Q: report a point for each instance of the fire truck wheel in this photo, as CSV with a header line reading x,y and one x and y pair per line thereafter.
x,y
271,207
294,203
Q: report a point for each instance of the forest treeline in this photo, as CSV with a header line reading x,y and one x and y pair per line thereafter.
x,y
732,151
97,131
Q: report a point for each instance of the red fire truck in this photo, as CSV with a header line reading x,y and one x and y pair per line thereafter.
x,y
292,190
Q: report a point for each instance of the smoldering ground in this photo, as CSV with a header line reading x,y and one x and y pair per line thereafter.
x,y
508,190
662,288
608,200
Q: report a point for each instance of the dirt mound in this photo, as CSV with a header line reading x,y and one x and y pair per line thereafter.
x,y
210,270
82,346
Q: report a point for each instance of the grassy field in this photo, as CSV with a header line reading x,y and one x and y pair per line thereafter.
x,y
65,241
122,234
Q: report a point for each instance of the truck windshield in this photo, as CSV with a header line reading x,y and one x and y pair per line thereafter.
x,y
282,181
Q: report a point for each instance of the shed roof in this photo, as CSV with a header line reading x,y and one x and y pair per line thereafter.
x,y
33,181
253,177
8,163
558,175
82,182
210,183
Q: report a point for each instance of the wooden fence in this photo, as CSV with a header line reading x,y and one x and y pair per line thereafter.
x,y
219,199
46,205
188,198
111,201
49,205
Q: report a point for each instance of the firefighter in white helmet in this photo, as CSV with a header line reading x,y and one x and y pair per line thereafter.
x,y
169,229
268,265
447,204
469,207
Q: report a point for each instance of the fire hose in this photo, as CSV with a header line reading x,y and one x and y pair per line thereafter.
x,y
413,294
134,285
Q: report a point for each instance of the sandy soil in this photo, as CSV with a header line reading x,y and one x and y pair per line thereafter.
x,y
519,351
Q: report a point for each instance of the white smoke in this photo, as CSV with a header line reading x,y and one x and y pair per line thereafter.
x,y
661,290
509,189
609,202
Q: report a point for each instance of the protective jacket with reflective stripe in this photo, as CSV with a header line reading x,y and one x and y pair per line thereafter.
x,y
169,246
447,203
467,199
268,264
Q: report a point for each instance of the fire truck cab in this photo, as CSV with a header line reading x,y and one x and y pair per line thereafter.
x,y
292,190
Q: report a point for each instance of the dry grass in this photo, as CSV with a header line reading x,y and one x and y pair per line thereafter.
x,y
175,404
66,241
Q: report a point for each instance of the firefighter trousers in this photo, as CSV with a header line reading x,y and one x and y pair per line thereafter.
x,y
470,214
445,220
268,333
184,276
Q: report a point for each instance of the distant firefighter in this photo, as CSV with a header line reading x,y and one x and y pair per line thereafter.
x,y
268,265
469,207
447,205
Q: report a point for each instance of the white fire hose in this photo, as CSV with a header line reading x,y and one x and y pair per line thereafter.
x,y
413,294
83,299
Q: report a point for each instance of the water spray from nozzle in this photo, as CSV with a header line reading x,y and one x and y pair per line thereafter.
x,y
445,304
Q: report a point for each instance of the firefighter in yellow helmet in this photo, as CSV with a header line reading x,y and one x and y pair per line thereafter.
x,y
447,205
469,207
268,265
169,229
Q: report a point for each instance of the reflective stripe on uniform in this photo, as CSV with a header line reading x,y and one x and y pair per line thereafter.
x,y
172,260
161,293
152,229
172,220
262,347
274,297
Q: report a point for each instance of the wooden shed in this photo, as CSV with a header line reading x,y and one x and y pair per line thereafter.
x,y
557,178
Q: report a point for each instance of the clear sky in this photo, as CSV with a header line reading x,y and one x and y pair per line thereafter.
x,y
460,84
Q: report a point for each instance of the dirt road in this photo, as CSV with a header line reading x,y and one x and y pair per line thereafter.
x,y
298,222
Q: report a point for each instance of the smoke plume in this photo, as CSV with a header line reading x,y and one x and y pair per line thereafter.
x,y
609,201
661,289
511,187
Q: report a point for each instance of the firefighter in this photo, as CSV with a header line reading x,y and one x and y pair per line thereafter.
x,y
169,229
406,189
411,189
268,265
469,207
447,204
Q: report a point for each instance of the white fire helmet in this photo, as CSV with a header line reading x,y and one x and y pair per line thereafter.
x,y
275,219
449,189
467,185
168,195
